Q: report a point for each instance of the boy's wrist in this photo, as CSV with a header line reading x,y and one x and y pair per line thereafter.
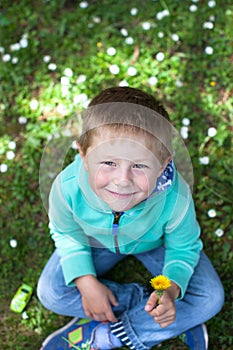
x,y
173,291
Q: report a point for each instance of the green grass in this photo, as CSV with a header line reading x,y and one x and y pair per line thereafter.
x,y
191,84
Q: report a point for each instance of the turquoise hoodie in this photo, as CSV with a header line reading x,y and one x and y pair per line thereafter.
x,y
166,219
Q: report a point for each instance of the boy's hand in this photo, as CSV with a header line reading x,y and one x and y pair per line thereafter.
x,y
97,299
165,312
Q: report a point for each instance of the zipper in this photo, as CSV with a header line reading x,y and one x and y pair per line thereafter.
x,y
117,216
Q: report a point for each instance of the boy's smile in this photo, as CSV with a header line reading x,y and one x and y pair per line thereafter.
x,y
121,171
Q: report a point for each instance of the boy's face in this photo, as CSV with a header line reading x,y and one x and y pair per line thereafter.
x,y
121,171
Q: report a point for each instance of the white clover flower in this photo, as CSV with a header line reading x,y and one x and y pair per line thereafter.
x,y
212,132
86,103
65,81
111,51
25,315
193,8
160,15
219,232
14,60
74,145
212,18
114,69
184,132
204,160
175,37
146,25
132,71
3,168
212,213
2,49
10,155
23,42
6,57
124,32
211,3
152,81
160,56
179,83
160,35
134,11
15,47
129,40
195,0
185,121
97,19
52,66
65,90
13,243
123,83
81,98
209,50
61,109
12,145
34,104
208,25
46,58
83,4
68,72
22,120
81,79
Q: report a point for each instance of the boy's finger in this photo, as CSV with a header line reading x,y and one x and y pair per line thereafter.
x,y
152,302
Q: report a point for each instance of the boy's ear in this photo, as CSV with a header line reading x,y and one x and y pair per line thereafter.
x,y
165,165
82,155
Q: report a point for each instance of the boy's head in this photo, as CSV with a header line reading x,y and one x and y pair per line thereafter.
x,y
125,145
128,111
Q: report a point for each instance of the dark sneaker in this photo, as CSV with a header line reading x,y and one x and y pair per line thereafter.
x,y
76,335
196,338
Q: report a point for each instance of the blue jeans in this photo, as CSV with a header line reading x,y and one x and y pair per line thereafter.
x,y
203,299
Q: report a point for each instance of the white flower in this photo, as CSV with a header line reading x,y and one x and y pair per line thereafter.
x,y
124,32
160,15
81,79
129,40
146,25
111,51
160,56
10,155
195,0
114,69
212,213
34,104
123,83
2,49
209,50
152,81
211,3
12,145
61,109
212,18
64,90
219,232
15,47
185,121
46,58
132,71
81,98
193,8
52,66
68,72
74,145
3,168
25,315
175,37
65,81
22,120
184,132
6,57
208,25
83,4
212,132
97,19
13,243
178,83
204,160
15,60
160,34
24,42
134,11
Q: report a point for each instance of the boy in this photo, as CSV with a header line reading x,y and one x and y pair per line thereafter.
x,y
123,196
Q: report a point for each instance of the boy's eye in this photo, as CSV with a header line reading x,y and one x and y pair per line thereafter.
x,y
109,163
139,166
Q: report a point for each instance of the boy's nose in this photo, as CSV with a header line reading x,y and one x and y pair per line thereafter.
x,y
123,178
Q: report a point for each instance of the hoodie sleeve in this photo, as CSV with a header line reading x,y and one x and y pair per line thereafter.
x,y
71,242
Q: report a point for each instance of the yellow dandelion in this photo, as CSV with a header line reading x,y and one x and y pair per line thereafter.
x,y
160,283
213,83
99,44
